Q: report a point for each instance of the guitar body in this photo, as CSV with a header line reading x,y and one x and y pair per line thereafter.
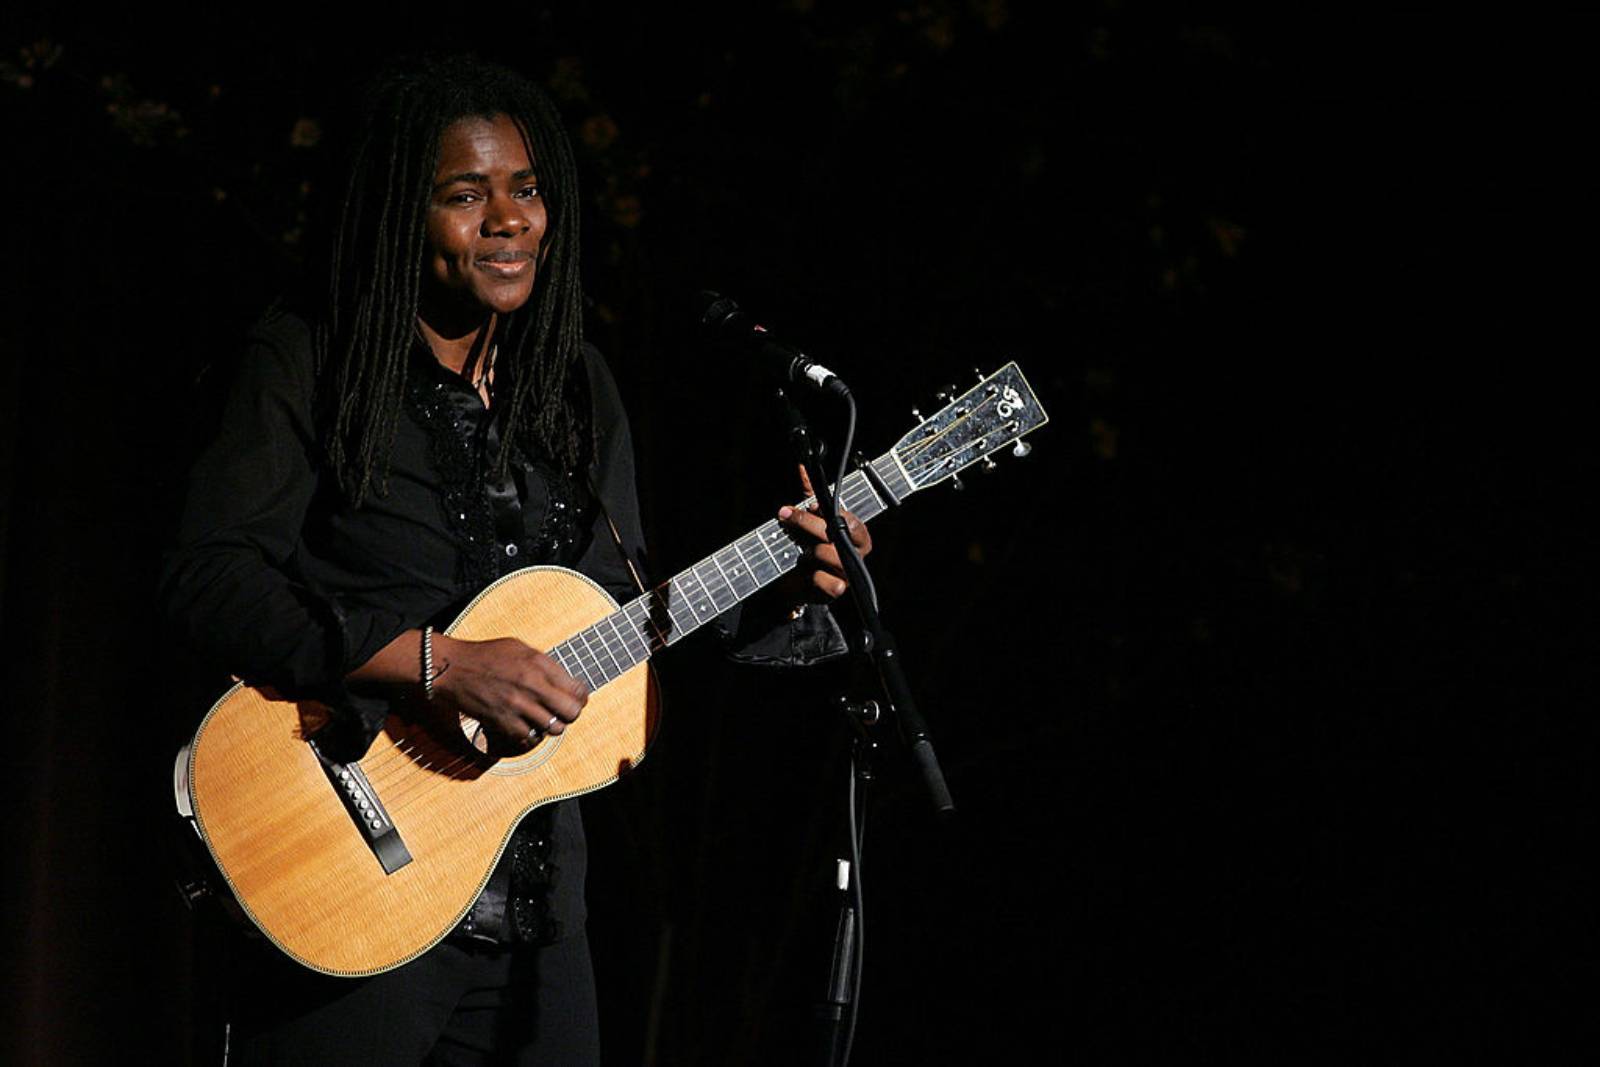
x,y
296,859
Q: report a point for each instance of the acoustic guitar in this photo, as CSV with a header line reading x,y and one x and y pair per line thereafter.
x,y
354,868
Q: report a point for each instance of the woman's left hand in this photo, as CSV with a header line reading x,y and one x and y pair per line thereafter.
x,y
826,579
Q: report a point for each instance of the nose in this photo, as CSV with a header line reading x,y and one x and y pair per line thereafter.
x,y
505,217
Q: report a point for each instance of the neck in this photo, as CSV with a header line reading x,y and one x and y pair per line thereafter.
x,y
462,347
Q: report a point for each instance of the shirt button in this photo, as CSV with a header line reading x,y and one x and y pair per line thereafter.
x,y
511,550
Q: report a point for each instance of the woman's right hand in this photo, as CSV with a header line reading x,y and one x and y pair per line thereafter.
x,y
515,691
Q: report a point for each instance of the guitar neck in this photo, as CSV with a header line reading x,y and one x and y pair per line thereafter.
x,y
732,574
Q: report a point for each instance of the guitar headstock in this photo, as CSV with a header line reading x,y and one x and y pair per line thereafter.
x,y
996,412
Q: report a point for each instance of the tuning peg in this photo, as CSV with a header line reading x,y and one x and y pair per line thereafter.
x,y
1021,448
989,464
978,374
916,413
956,483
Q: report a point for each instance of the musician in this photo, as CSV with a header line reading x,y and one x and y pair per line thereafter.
x,y
436,422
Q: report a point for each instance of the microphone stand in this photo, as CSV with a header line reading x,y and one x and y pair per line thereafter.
x,y
876,643
838,1012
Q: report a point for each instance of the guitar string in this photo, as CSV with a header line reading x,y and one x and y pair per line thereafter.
x,y
384,759
727,585
388,766
447,770
960,420
383,766
399,757
585,660
393,760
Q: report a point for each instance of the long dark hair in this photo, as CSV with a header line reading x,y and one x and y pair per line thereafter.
x,y
378,240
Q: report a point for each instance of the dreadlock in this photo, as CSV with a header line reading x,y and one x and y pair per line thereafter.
x,y
378,242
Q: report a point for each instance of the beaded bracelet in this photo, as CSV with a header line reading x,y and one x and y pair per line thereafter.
x,y
427,662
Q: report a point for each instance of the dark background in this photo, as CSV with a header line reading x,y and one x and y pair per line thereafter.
x,y
1269,731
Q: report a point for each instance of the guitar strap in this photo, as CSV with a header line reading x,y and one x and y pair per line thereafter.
x,y
616,535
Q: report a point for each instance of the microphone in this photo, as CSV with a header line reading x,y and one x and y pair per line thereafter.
x,y
724,321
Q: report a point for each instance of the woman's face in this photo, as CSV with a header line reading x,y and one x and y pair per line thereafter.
x,y
485,220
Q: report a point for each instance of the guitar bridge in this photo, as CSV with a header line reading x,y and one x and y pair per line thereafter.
x,y
366,811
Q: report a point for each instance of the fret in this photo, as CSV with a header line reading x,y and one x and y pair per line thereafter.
x,y
760,534
858,495
630,652
738,594
904,476
599,635
572,661
675,602
609,662
755,575
654,636
643,603
582,666
706,603
711,587
559,654
678,596
843,497
599,664
634,641
645,636
874,504
783,548
889,472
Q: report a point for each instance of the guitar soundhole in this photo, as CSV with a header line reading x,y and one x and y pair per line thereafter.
x,y
478,738
476,735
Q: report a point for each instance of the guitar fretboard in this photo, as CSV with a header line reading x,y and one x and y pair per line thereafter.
x,y
734,573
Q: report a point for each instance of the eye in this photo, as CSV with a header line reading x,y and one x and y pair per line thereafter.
x,y
465,196
529,191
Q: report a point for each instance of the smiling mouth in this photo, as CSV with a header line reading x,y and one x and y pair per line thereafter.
x,y
505,263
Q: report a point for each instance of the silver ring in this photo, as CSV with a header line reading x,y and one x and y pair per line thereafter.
x,y
533,735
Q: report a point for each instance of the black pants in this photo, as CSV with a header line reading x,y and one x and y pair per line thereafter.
x,y
456,1004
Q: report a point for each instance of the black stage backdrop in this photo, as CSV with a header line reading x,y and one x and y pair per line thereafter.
x,y
1250,682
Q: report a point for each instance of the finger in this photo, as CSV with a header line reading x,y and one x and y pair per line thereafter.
x,y
560,704
530,737
535,702
814,526
858,530
546,678
830,586
530,658
827,558
558,678
805,480
533,720
805,521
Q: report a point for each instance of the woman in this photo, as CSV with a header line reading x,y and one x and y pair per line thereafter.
x,y
436,423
